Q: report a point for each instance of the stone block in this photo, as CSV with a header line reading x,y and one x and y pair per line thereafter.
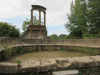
x,y
62,60
6,67
83,61
67,72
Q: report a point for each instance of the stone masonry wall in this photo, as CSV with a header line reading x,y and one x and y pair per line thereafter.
x,y
74,42
81,42
35,34
34,48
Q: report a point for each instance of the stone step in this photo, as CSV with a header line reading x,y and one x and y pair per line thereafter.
x,y
67,72
7,67
53,64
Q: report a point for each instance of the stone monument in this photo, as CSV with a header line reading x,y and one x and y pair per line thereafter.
x,y
36,31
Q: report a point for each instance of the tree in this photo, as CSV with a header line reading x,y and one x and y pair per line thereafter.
x,y
53,36
27,23
7,30
94,16
77,19
62,36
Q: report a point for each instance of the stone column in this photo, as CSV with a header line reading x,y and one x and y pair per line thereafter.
x,y
31,17
44,18
39,17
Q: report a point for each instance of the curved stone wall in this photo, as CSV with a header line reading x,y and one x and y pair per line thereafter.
x,y
73,42
86,42
9,41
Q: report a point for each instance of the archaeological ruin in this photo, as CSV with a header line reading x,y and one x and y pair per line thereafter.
x,y
36,31
35,39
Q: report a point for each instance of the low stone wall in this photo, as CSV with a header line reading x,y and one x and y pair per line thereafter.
x,y
86,42
25,48
91,65
17,49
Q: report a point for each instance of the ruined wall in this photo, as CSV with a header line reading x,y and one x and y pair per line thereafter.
x,y
36,48
37,32
35,35
55,42
82,42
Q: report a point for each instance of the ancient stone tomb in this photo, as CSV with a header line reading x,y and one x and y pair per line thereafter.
x,y
36,31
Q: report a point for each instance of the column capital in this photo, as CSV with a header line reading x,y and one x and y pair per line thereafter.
x,y
39,10
31,10
44,12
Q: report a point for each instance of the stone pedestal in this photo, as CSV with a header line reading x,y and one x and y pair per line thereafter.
x,y
35,32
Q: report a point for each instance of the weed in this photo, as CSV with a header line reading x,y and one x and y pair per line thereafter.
x,y
51,48
37,72
32,73
39,47
10,51
92,69
35,48
5,54
90,57
73,68
87,71
14,52
31,49
4,45
47,46
20,50
18,62
69,68
80,73
61,49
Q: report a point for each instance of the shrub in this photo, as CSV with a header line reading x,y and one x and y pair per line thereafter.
x,y
20,50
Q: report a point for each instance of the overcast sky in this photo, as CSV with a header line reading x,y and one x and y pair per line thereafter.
x,y
16,11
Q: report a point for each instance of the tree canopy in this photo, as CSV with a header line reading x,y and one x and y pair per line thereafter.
x,y
84,18
6,30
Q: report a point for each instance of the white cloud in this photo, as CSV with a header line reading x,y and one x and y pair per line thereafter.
x,y
55,13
